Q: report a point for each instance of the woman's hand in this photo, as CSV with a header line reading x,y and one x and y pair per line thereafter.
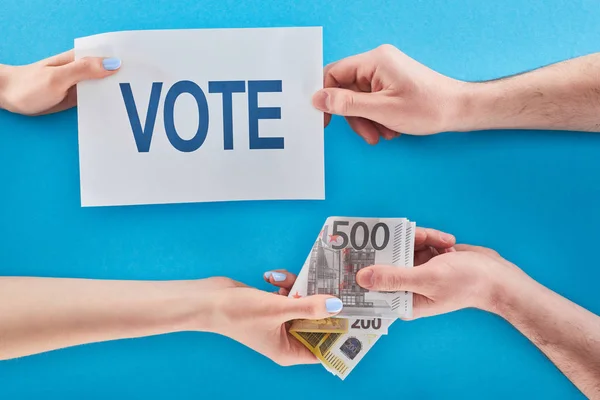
x,y
43,314
48,86
260,319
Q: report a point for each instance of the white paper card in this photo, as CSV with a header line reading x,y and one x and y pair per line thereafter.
x,y
202,115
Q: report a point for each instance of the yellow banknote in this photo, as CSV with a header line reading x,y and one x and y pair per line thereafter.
x,y
338,352
327,325
319,344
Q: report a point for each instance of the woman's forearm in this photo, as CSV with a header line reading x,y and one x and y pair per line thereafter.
x,y
42,314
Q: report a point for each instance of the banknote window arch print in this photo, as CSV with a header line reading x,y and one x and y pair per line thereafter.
x,y
334,272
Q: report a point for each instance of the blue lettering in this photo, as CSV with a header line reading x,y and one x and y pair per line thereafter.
x,y
177,142
142,137
255,113
227,88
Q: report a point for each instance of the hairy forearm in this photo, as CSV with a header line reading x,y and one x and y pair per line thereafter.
x,y
42,314
568,334
563,96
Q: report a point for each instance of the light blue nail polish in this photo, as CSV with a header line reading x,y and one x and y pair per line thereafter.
x,y
111,64
268,275
278,277
333,305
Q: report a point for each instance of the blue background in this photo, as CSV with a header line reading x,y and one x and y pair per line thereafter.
x,y
533,196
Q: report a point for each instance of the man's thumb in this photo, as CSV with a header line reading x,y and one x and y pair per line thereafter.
x,y
387,278
349,103
314,307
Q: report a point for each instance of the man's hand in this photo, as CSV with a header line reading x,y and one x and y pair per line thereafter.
x,y
384,92
429,243
478,277
471,276
48,86
447,278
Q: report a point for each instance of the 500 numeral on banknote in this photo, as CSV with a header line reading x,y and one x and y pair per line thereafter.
x,y
352,239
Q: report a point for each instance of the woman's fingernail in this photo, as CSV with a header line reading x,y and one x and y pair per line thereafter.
x,y
278,276
111,64
365,278
333,305
320,100
268,275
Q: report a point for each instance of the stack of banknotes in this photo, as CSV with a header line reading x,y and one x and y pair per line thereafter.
x,y
344,246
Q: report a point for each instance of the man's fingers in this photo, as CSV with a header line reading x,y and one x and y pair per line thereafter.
x,y
327,119
312,307
386,132
385,278
345,71
280,278
86,68
356,70
424,255
426,237
365,129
